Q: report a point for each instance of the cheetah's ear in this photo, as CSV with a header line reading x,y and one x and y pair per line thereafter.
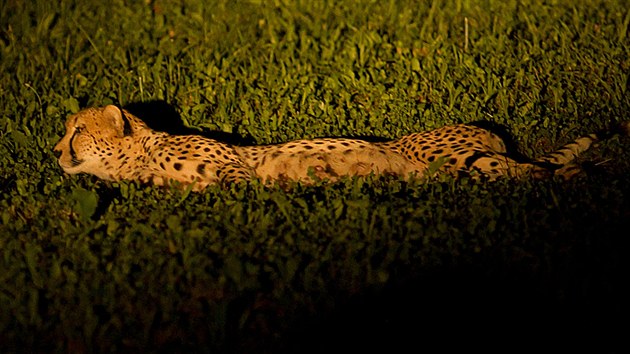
x,y
115,117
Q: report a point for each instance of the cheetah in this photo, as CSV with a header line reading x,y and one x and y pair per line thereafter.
x,y
114,145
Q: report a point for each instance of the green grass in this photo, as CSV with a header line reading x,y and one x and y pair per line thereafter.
x,y
92,266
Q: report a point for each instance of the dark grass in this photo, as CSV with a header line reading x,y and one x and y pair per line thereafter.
x,y
91,266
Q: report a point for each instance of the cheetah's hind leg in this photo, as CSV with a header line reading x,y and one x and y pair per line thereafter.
x,y
562,161
234,173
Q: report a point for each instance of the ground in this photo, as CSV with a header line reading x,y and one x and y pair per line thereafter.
x,y
254,269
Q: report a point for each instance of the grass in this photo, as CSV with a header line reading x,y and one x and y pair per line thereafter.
x,y
90,266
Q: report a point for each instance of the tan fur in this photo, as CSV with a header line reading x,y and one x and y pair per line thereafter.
x,y
95,143
115,145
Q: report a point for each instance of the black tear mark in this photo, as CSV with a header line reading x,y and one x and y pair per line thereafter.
x,y
73,154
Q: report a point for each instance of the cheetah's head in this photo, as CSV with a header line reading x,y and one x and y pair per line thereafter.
x,y
93,136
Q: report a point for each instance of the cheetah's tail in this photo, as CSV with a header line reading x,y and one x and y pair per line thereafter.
x,y
561,160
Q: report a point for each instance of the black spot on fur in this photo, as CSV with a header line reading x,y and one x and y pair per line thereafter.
x,y
331,171
470,160
177,166
201,169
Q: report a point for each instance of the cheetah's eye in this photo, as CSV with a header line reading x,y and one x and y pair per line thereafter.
x,y
78,129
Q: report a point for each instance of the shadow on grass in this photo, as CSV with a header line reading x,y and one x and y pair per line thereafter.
x,y
460,310
162,116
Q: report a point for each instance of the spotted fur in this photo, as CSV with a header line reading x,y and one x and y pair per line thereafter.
x,y
114,145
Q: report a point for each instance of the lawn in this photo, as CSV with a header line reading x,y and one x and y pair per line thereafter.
x,y
371,263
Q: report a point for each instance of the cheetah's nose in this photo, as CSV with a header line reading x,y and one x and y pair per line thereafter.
x,y
57,153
